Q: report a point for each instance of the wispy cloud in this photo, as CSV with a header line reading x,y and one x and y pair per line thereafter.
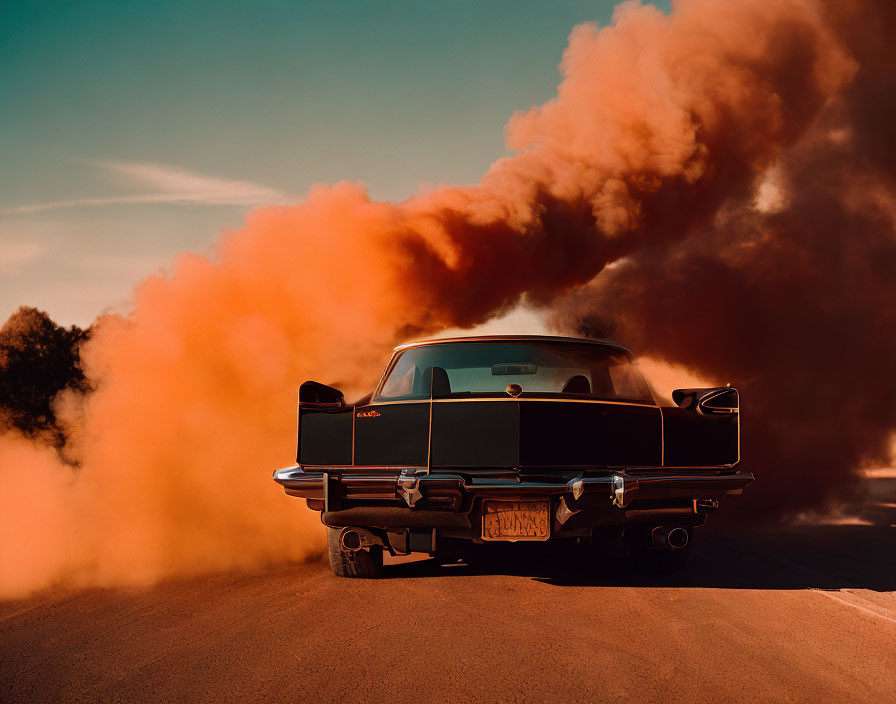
x,y
161,183
17,255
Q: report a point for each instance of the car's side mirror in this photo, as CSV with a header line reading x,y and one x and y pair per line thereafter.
x,y
317,395
717,401
721,402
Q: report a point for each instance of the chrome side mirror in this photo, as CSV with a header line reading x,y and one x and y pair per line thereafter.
x,y
719,403
711,402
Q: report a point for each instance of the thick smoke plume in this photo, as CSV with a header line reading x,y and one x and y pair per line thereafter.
x,y
661,130
788,292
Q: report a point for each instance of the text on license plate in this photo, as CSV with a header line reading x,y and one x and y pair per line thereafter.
x,y
515,520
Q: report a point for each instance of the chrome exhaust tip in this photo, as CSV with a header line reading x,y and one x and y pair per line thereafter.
x,y
677,538
350,540
674,538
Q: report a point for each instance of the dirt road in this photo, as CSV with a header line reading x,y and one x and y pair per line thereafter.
x,y
802,614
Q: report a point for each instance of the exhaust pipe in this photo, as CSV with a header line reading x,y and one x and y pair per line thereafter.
x,y
350,540
674,538
354,539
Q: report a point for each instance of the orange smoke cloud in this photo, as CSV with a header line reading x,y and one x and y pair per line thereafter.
x,y
787,292
659,120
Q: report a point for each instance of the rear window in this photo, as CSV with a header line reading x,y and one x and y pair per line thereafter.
x,y
542,369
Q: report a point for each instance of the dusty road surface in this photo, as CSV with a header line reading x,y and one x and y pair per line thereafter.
x,y
802,614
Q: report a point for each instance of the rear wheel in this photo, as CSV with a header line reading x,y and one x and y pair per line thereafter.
x,y
364,563
653,560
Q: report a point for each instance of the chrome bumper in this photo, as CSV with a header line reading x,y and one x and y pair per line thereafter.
x,y
617,489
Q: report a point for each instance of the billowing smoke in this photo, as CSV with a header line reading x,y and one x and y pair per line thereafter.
x,y
662,129
788,292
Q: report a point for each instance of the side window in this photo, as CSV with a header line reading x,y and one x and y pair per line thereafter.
x,y
627,382
602,384
400,382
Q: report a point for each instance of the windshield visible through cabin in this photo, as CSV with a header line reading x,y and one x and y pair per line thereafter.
x,y
542,368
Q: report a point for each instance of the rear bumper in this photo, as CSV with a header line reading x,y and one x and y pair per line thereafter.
x,y
449,491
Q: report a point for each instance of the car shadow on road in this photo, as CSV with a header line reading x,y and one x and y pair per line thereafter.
x,y
857,552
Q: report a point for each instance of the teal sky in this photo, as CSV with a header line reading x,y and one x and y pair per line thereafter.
x,y
132,131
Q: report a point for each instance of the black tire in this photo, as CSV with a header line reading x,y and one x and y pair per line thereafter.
x,y
651,560
361,563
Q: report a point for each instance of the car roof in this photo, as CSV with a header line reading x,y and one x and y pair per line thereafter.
x,y
512,338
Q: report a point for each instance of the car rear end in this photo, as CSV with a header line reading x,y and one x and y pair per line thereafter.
x,y
514,439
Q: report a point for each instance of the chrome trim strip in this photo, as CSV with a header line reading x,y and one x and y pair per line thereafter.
x,y
432,377
299,426
509,399
397,468
698,468
619,488
355,468
511,338
662,438
738,428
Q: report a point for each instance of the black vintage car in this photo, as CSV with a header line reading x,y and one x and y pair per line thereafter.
x,y
509,438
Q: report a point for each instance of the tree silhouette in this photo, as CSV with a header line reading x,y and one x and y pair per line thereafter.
x,y
38,359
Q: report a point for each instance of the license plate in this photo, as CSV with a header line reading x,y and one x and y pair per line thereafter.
x,y
515,520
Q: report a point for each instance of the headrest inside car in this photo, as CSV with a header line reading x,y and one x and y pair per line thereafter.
x,y
441,386
577,385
